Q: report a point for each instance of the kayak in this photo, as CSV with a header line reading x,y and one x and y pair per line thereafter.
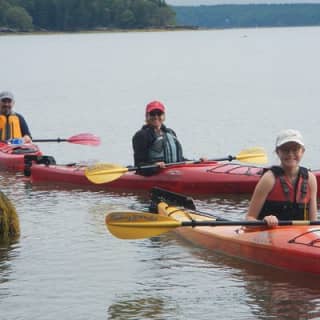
x,y
205,178
12,156
293,248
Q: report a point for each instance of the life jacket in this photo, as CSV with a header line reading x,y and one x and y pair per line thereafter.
x,y
9,127
165,148
287,201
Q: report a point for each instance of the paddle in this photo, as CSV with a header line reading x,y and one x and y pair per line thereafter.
x,y
138,225
107,172
82,138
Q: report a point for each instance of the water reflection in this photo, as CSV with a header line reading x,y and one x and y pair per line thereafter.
x,y
143,195
270,292
143,308
151,296
7,253
283,296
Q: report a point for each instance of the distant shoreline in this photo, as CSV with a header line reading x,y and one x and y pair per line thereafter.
x,y
187,28
7,31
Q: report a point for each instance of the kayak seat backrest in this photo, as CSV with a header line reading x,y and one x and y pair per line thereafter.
x,y
29,159
20,150
172,198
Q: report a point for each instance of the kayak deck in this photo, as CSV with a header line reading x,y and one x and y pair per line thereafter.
x,y
294,248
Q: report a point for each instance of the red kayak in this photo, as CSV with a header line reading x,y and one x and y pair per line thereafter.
x,y
197,179
205,178
12,156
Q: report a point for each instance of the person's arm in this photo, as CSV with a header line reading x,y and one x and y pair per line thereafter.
x,y
259,197
24,129
140,148
313,197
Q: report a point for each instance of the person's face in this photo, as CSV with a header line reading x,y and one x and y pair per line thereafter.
x,y
155,118
290,154
6,106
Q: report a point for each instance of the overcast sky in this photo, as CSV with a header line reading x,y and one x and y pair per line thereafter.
x,y
199,2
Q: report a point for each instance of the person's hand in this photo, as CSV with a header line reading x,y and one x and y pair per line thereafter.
x,y
161,164
272,221
27,139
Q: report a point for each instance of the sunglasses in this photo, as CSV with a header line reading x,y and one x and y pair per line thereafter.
x,y
6,100
292,148
155,113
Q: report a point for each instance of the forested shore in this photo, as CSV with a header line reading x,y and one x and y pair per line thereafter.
x,y
93,15
76,15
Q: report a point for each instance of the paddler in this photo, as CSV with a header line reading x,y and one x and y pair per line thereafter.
x,y
288,191
12,124
154,143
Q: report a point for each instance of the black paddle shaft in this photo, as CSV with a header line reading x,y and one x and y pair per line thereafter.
x,y
50,140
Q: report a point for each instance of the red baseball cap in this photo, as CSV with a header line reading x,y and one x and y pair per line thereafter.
x,y
155,105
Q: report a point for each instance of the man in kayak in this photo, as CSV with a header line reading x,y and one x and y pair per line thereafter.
x,y
154,143
12,124
288,191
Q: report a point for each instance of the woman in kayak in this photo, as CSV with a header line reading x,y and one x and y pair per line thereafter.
x,y
288,191
154,143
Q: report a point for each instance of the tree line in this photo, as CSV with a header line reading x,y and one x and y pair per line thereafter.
x,y
251,15
71,15
74,15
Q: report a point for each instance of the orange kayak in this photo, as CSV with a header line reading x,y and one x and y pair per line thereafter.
x,y
294,248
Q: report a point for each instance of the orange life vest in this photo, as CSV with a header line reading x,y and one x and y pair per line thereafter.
x,y
10,127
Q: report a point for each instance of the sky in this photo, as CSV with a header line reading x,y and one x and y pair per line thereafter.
x,y
212,2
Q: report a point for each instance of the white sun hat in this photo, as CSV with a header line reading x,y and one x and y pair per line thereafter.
x,y
289,135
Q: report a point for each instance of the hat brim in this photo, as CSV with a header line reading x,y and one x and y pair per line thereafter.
x,y
298,141
155,108
6,97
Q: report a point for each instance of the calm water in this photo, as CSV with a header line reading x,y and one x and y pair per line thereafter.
x,y
225,91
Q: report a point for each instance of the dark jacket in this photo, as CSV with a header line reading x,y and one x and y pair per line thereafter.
x,y
24,127
142,142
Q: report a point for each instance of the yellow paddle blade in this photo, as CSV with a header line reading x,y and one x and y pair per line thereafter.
x,y
253,155
104,172
138,225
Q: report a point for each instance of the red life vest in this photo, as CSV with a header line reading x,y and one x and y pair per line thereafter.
x,y
288,201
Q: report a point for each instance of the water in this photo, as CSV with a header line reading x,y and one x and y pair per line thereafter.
x,y
224,90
